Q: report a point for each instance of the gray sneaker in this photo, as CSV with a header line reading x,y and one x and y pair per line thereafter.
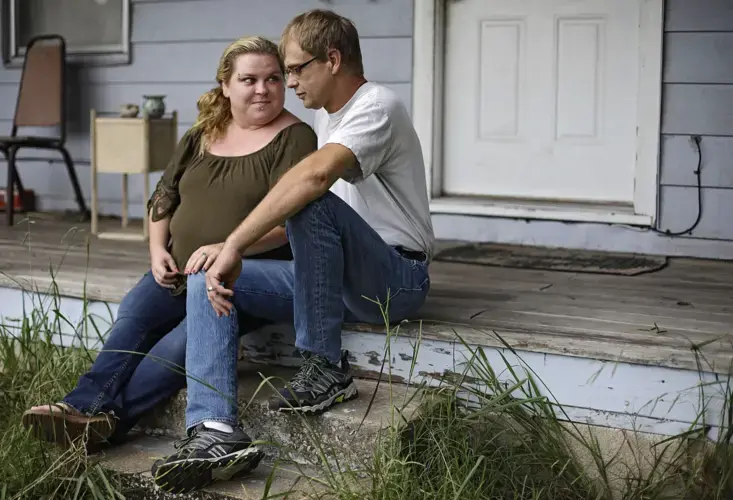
x,y
316,386
206,456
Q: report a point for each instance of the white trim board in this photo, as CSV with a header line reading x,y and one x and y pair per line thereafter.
x,y
427,103
528,209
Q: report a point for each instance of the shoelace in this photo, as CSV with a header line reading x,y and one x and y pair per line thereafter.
x,y
308,371
184,442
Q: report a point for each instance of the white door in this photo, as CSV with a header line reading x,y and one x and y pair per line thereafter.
x,y
541,99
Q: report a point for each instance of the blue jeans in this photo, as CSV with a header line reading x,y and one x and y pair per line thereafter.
x,y
338,261
123,380
143,358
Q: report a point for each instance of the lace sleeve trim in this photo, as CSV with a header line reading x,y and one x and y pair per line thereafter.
x,y
163,202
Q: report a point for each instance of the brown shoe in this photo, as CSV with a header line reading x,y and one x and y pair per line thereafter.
x,y
60,423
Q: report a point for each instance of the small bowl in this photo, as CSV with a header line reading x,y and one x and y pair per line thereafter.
x,y
129,110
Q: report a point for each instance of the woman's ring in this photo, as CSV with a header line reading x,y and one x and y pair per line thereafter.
x,y
203,254
210,289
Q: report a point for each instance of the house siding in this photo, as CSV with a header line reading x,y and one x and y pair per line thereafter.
x,y
175,48
176,45
698,101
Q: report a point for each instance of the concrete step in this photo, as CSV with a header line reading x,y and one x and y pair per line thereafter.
x,y
135,458
346,432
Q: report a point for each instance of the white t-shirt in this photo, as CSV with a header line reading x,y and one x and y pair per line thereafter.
x,y
391,192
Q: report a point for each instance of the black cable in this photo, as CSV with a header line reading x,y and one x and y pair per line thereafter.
x,y
696,139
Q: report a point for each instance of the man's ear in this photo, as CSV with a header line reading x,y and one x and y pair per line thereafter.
x,y
334,59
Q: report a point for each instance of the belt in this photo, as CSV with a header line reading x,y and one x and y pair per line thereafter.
x,y
411,254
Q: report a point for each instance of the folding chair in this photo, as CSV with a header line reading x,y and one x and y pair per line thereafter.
x,y
41,103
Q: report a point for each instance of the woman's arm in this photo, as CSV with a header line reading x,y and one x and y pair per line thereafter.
x,y
162,265
158,233
165,197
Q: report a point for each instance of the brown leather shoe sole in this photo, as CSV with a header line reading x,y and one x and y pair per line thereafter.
x,y
61,424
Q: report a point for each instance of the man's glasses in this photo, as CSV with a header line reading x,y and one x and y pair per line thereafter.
x,y
295,70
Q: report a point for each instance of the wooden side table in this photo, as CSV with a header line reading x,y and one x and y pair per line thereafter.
x,y
129,146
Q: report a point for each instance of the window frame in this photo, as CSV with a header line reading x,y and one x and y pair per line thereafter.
x,y
101,55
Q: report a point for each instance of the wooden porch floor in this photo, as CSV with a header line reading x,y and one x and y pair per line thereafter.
x,y
675,317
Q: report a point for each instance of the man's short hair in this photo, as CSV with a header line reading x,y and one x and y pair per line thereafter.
x,y
319,30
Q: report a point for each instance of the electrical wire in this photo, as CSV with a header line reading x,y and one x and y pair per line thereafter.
x,y
696,139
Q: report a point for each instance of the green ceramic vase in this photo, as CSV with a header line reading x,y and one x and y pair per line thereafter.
x,y
153,106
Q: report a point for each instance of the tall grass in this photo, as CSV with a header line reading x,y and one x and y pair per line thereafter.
x,y
36,370
478,435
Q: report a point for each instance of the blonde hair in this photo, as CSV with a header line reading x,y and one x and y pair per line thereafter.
x,y
319,30
214,108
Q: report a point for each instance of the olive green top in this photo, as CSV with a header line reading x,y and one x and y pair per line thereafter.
x,y
208,196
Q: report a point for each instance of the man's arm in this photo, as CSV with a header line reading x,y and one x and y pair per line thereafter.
x,y
272,240
309,179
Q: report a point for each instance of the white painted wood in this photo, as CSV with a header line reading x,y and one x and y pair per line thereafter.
x,y
426,95
538,210
608,24
649,117
540,99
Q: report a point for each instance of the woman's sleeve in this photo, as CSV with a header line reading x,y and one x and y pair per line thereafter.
x,y
296,142
165,197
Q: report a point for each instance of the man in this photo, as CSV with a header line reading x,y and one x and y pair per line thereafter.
x,y
357,218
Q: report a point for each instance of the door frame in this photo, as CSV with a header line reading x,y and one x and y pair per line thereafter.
x,y
427,105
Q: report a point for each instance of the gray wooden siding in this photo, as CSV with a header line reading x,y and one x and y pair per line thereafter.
x,y
176,45
698,100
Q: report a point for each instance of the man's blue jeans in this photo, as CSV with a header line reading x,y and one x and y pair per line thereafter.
x,y
342,271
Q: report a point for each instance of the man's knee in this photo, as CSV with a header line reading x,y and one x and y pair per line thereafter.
x,y
196,286
321,208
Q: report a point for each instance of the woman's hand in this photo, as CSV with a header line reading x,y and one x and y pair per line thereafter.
x,y
203,258
220,280
163,267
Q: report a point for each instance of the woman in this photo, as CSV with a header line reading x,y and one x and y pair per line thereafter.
x,y
242,142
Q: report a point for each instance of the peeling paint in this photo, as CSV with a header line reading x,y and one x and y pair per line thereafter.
x,y
441,350
374,358
374,375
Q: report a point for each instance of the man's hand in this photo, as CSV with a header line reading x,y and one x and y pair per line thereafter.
x,y
163,267
226,270
203,258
